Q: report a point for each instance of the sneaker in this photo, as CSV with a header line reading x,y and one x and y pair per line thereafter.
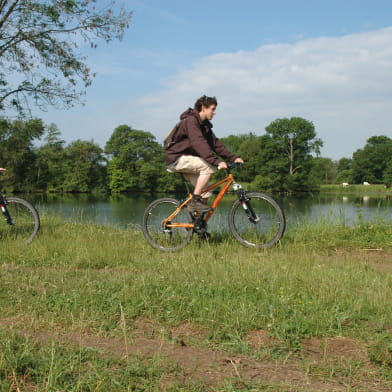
x,y
198,206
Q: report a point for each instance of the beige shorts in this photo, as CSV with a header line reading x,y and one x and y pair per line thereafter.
x,y
192,166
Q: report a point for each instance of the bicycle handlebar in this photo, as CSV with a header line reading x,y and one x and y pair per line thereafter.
x,y
232,166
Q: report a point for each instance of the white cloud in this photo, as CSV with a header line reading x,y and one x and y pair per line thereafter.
x,y
342,84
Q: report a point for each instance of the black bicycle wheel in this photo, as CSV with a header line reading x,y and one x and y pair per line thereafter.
x,y
269,226
165,238
25,222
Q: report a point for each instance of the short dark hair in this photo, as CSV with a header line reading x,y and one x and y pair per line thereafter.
x,y
205,101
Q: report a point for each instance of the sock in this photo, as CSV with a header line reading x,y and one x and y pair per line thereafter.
x,y
196,197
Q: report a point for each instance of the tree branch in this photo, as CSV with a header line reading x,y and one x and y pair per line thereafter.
x,y
9,12
38,42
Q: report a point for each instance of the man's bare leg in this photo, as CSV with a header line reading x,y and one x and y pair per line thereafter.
x,y
197,203
201,183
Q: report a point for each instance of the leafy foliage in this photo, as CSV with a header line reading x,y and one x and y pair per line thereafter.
x,y
280,160
137,160
16,150
39,49
323,171
85,167
372,163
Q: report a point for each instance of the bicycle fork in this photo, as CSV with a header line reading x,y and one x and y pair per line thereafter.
x,y
6,214
245,203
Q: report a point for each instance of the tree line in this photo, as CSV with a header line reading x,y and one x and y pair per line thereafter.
x,y
284,159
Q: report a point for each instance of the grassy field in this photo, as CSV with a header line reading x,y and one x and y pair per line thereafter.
x,y
93,308
356,188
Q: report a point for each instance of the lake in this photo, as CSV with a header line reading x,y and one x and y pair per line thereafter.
x,y
127,210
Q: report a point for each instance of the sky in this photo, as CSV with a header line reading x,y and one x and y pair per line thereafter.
x,y
328,61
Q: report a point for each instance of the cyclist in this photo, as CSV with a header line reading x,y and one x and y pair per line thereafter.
x,y
196,150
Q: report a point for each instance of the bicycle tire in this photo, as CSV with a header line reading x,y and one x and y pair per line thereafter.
x,y
159,237
25,221
267,231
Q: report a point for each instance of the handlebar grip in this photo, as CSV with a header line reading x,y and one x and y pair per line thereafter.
x,y
234,164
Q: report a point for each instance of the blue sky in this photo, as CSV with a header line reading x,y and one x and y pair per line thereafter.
x,y
324,60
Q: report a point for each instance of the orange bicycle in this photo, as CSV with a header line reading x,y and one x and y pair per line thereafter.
x,y
255,218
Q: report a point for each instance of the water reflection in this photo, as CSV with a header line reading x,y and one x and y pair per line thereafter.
x,y
125,210
346,209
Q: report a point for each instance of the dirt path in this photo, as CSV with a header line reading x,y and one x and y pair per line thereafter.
x,y
213,367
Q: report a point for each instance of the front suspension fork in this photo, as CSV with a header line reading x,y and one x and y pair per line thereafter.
x,y
245,203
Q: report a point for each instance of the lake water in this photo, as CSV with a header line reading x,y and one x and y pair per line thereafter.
x,y
127,210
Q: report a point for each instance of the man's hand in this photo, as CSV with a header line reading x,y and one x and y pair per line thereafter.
x,y
239,160
2,169
222,165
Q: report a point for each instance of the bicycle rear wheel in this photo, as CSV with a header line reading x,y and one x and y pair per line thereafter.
x,y
168,239
263,232
24,223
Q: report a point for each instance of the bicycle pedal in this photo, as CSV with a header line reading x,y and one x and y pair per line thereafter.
x,y
198,215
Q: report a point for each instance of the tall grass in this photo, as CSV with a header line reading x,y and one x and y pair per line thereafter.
x,y
319,281
356,188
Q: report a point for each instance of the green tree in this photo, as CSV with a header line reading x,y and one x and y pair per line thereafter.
x,y
370,162
50,162
39,40
17,152
388,174
86,169
344,171
344,164
287,159
234,142
136,160
249,147
323,171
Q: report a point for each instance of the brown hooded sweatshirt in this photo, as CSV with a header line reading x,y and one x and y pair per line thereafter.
x,y
195,137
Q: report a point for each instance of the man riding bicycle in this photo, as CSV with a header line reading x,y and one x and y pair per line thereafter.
x,y
196,150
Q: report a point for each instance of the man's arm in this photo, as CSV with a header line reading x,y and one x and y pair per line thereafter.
x,y
223,152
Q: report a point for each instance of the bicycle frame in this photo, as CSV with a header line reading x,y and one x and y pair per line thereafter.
x,y
227,181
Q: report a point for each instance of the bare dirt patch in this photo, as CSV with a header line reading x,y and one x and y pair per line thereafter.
x,y
188,333
379,260
260,340
213,367
339,347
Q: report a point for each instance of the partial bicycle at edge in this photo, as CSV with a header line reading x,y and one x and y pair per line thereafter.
x,y
21,219
255,219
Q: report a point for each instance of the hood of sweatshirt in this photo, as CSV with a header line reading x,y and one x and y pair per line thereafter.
x,y
192,112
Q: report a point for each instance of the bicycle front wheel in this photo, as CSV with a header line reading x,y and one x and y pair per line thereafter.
x,y
24,223
264,231
168,239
